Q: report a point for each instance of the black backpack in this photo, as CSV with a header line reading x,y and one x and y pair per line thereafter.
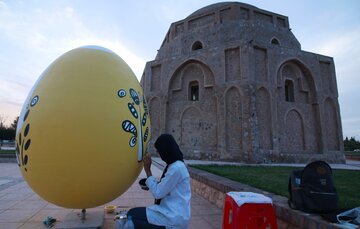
x,y
312,189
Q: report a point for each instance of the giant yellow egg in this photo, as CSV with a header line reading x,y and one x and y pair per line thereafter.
x,y
83,129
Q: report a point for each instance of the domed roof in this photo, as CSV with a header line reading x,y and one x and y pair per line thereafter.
x,y
211,8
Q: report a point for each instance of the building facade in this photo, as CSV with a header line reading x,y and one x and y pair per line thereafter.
x,y
230,82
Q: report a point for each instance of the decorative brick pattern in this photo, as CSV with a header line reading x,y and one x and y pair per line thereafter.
x,y
260,97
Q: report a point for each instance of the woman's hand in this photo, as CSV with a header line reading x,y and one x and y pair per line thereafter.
x,y
147,164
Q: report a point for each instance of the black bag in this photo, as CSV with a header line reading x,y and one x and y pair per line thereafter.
x,y
312,189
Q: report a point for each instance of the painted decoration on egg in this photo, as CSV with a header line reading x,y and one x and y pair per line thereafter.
x,y
24,141
83,129
130,127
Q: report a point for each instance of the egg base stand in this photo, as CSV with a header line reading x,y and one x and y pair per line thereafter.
x,y
83,220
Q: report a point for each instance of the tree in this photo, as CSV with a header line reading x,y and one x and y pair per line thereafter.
x,y
2,121
351,144
14,123
7,133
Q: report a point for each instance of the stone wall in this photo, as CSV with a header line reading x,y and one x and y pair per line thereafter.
x,y
260,98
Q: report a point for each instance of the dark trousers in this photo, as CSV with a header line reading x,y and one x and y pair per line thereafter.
x,y
139,218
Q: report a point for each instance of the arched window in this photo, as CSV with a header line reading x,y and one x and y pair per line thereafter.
x,y
197,45
289,91
194,91
275,41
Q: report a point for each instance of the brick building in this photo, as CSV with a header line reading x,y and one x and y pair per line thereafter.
x,y
231,82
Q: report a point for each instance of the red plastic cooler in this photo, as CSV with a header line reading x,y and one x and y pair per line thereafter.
x,y
248,210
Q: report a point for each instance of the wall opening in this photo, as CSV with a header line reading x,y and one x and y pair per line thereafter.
x,y
194,91
275,41
197,45
289,91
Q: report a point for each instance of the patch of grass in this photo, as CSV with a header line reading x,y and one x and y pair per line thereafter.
x,y
275,180
7,151
351,153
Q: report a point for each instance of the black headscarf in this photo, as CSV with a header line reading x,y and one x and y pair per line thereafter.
x,y
169,152
168,149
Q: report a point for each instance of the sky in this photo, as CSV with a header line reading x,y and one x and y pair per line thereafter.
x,y
34,33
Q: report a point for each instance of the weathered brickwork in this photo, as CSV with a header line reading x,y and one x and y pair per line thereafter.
x,y
231,82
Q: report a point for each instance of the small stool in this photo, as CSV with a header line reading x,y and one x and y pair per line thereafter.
x,y
248,210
